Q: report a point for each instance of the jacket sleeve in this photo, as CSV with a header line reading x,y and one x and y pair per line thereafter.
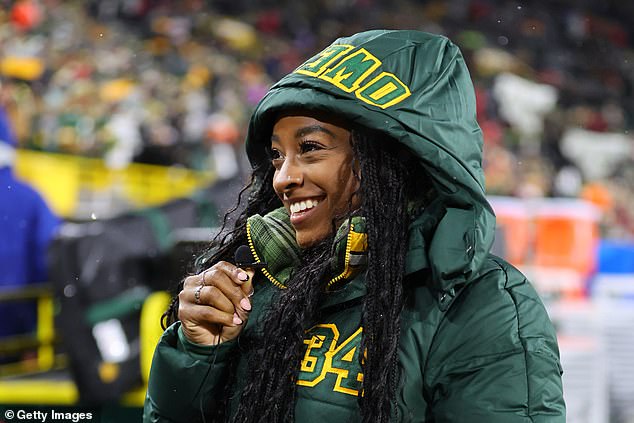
x,y
495,357
185,378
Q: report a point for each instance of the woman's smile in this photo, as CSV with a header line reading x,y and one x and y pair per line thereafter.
x,y
302,210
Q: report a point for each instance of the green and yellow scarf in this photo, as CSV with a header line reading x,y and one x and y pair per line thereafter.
x,y
272,241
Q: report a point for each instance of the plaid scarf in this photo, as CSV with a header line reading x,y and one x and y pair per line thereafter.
x,y
272,241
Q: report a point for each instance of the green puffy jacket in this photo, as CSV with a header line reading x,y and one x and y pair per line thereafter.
x,y
476,343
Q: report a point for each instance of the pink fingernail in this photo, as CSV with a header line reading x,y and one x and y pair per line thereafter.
x,y
236,319
243,276
245,304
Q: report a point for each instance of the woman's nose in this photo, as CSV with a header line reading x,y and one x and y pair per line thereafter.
x,y
290,175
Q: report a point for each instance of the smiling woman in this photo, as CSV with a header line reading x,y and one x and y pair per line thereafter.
x,y
371,295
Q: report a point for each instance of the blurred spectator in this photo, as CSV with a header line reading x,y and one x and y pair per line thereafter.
x,y
26,228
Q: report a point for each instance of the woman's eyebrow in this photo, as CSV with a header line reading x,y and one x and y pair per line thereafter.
x,y
313,128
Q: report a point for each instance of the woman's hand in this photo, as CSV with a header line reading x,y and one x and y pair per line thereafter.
x,y
214,305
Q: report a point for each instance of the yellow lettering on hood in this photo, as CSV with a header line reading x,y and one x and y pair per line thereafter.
x,y
349,71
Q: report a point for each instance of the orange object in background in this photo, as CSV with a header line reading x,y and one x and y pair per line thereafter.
x,y
566,236
548,232
552,240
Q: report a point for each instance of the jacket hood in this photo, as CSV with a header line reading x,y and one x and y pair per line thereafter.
x,y
414,87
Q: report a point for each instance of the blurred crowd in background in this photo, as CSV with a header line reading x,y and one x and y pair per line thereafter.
x,y
174,83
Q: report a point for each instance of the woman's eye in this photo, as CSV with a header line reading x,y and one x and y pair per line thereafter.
x,y
276,157
308,146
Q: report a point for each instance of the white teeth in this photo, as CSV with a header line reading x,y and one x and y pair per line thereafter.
x,y
303,205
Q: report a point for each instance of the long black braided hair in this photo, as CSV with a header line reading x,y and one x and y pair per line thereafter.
x,y
388,183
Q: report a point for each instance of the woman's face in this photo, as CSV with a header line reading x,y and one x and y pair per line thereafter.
x,y
314,177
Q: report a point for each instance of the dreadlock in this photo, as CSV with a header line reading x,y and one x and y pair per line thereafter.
x,y
384,189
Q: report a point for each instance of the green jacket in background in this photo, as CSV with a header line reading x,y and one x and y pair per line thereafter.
x,y
476,342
